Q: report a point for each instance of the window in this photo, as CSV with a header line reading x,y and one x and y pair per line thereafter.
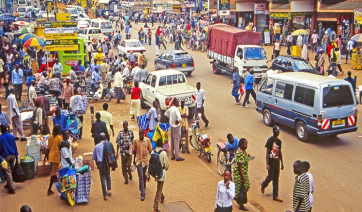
x,y
336,96
95,24
134,44
169,80
153,82
267,86
183,56
284,90
304,96
181,78
123,44
148,79
278,61
162,81
255,53
174,79
162,56
240,52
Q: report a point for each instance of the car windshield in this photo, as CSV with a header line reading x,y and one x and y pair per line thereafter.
x,y
21,9
73,11
183,56
254,53
107,25
21,2
134,44
302,65
337,96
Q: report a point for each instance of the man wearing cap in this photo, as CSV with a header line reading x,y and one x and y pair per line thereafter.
x,y
44,81
67,93
184,111
273,159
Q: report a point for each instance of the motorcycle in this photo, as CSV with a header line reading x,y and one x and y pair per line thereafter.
x,y
183,139
127,84
199,141
102,92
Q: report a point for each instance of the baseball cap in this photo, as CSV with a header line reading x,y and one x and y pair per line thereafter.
x,y
276,128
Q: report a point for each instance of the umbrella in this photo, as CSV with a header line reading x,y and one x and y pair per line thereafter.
x,y
25,30
25,37
21,23
300,32
34,42
357,38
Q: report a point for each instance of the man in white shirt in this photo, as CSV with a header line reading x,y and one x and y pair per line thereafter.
x,y
200,103
136,73
289,43
300,41
225,193
118,84
32,93
315,41
350,46
306,167
14,114
175,117
152,116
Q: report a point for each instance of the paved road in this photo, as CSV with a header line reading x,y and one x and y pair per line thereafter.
x,y
194,180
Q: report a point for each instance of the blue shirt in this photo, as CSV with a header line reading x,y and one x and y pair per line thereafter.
x,y
236,80
95,78
8,145
29,79
249,82
62,121
94,66
233,146
98,152
82,69
17,77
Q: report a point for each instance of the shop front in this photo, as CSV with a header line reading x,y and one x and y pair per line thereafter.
x,y
357,21
283,19
244,13
261,16
302,20
335,24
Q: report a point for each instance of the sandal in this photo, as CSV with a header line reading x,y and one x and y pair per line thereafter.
x,y
51,192
243,208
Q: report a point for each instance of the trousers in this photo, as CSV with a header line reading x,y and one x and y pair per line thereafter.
x,y
17,126
202,112
18,90
105,177
142,178
247,94
126,166
273,175
159,195
8,172
175,142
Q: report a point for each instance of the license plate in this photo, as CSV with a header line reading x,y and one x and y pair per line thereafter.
x,y
183,65
208,149
338,123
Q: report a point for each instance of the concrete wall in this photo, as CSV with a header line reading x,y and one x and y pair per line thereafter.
x,y
302,6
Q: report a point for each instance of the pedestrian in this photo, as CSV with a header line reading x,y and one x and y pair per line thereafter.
x,y
98,127
315,41
25,208
162,156
140,59
325,42
339,41
175,118
225,193
350,46
53,155
17,81
57,69
32,93
149,33
351,80
274,162
37,117
96,80
200,103
132,59
162,40
118,84
249,80
305,52
153,117
9,152
320,62
107,118
60,119
66,158
46,108
124,142
339,61
102,166
306,167
78,103
6,81
67,93
141,148
240,175
14,114
184,112
135,101
276,48
104,68
4,119
301,189
329,51
236,86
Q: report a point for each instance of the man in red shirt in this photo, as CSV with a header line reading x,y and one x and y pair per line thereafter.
x,y
329,50
135,100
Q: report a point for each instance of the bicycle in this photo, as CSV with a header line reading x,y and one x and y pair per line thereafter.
x,y
224,158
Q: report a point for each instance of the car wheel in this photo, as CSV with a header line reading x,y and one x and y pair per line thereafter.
x,y
268,121
301,130
189,73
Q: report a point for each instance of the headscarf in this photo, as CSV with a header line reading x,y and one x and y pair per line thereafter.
x,y
305,52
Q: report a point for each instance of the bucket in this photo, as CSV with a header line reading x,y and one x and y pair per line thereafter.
x,y
27,162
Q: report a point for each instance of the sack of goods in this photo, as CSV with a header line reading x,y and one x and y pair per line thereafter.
x,y
155,168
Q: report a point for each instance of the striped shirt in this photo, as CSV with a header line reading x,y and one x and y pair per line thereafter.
x,y
301,189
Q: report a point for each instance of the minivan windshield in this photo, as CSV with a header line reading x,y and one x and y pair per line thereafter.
x,y
337,96
107,25
21,9
254,53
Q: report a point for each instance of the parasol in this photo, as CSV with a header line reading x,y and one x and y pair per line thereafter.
x,y
300,32
34,42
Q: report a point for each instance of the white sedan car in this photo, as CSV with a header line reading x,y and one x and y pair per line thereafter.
x,y
131,45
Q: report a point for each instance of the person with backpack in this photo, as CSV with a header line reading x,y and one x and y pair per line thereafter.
x,y
141,148
158,165
102,166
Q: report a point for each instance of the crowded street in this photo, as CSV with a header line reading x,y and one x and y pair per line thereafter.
x,y
192,184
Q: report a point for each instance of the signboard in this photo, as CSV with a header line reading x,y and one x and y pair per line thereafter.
x,y
358,16
62,48
183,7
299,19
281,16
60,30
259,8
62,16
61,36
59,24
224,7
61,42
71,62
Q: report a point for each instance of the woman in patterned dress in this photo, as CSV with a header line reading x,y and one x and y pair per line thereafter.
x,y
240,174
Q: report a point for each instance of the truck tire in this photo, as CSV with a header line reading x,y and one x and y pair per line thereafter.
x,y
143,104
267,118
215,68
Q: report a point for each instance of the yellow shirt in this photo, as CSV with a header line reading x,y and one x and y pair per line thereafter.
x,y
142,149
107,118
99,58
53,146
184,122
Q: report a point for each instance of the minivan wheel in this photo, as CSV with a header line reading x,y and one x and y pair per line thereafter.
x,y
267,117
301,130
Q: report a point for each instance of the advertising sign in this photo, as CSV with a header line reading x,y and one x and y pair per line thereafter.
x,y
63,17
224,7
358,16
61,42
61,36
280,15
60,30
62,48
259,8
60,24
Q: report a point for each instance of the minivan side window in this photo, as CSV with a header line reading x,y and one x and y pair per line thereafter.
x,y
267,86
284,90
304,96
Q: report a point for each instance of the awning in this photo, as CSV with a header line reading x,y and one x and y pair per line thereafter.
x,y
346,6
327,19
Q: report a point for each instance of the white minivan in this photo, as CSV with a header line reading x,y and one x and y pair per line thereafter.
x,y
105,26
311,104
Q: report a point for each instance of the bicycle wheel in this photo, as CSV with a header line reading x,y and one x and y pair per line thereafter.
x,y
193,144
188,45
221,162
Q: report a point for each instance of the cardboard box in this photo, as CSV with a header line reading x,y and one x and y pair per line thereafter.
x,y
88,162
43,170
87,156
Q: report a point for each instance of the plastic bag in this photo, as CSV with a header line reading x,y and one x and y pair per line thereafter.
x,y
18,173
78,163
67,179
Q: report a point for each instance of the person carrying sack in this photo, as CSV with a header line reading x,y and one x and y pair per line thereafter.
x,y
158,165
